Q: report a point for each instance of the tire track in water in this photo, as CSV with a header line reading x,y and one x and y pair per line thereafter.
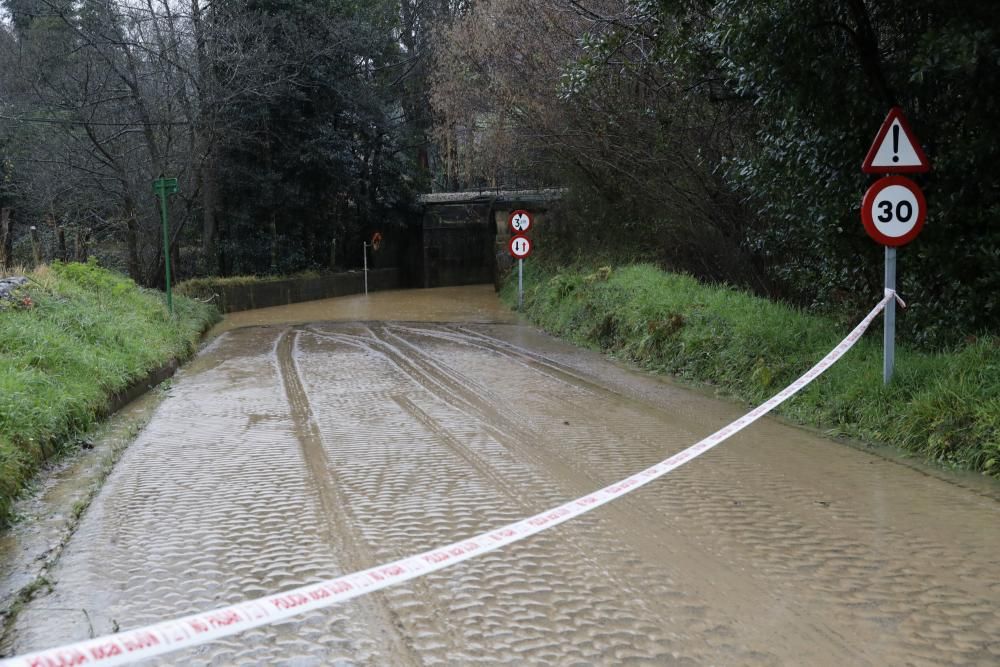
x,y
734,559
339,523
477,402
348,525
468,398
622,513
445,437
549,369
522,356
510,490
589,545
795,541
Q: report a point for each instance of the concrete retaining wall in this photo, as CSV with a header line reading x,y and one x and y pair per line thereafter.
x,y
232,298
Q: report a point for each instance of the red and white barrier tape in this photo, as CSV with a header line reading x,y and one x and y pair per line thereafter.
x,y
131,645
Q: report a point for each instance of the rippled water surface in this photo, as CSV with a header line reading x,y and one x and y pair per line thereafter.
x,y
336,435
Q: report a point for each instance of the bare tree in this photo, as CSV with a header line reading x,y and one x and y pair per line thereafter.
x,y
107,95
582,93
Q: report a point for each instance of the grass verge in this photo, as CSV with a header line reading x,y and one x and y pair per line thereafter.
x,y
75,336
206,287
943,407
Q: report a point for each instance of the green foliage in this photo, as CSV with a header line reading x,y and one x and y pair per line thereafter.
x,y
90,276
821,76
89,334
322,160
206,286
724,139
941,406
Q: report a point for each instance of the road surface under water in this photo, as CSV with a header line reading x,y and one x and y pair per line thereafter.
x,y
340,434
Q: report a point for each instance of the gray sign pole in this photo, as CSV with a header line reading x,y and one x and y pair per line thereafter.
x,y
520,284
365,248
889,341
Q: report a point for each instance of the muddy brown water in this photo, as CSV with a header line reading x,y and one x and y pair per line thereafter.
x,y
304,447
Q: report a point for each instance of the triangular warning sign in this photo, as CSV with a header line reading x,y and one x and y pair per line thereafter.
x,y
896,150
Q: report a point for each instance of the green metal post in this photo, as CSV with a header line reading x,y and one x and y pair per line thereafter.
x,y
162,187
166,250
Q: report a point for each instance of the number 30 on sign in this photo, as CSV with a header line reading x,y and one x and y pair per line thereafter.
x,y
893,211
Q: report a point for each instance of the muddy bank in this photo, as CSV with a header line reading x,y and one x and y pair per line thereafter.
x,y
48,516
233,296
475,303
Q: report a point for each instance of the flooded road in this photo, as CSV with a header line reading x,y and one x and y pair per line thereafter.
x,y
337,435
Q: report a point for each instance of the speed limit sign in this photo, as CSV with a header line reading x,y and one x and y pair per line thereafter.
x,y
893,211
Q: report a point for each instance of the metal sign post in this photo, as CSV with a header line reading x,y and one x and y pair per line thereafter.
x,y
893,212
889,338
520,247
893,209
365,248
163,187
520,222
375,244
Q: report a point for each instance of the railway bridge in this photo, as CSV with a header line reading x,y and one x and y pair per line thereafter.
x,y
464,234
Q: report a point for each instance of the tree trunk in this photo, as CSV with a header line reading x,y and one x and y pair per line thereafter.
x,y
62,254
80,251
175,261
210,225
274,242
132,244
6,238
869,53
214,262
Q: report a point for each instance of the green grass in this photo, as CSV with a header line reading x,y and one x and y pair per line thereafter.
x,y
943,407
204,288
87,334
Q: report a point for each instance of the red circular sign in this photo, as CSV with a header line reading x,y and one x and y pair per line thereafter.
x,y
519,246
893,211
519,221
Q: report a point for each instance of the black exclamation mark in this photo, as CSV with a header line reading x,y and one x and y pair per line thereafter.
x,y
895,142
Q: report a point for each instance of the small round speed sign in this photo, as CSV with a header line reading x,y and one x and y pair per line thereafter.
x,y
519,221
893,211
520,247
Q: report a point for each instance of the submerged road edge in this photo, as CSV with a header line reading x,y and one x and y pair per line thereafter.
x,y
167,636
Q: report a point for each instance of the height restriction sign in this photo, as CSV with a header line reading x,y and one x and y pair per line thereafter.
x,y
519,221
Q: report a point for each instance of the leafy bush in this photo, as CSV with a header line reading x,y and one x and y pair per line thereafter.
x,y
724,139
821,76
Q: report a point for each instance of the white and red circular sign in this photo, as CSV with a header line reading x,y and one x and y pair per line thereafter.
x,y
893,211
519,221
519,246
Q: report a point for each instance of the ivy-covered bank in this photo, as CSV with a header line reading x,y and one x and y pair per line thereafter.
x,y
70,339
944,407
